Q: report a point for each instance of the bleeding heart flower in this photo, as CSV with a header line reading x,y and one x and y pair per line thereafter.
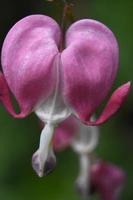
x,y
95,177
107,180
56,84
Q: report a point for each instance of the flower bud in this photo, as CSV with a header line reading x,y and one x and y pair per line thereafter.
x,y
107,180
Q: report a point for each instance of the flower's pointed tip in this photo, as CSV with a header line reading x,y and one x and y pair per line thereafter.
x,y
128,86
82,189
40,174
125,88
114,104
43,168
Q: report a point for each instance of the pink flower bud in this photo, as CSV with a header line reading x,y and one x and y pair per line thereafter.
x,y
107,180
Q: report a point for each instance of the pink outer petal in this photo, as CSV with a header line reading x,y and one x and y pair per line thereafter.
x,y
5,99
107,180
114,104
90,64
28,56
64,133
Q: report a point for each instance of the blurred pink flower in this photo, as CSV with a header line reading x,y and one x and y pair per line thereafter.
x,y
65,133
107,180
55,84
102,178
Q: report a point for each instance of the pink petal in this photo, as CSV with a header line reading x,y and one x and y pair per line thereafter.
x,y
28,56
107,180
64,133
115,102
5,99
90,64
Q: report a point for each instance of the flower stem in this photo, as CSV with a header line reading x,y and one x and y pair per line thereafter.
x,y
67,18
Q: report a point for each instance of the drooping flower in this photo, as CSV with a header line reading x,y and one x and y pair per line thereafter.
x,y
107,180
96,176
104,179
84,144
55,84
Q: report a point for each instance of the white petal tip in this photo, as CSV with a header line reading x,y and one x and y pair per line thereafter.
x,y
43,168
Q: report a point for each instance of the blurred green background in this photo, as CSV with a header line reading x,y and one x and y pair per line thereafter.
x,y
19,138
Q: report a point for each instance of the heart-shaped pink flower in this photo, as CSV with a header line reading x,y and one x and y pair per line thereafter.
x,y
55,84
87,66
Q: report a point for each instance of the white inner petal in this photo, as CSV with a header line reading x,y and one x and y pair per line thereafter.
x,y
45,139
51,112
86,140
54,109
83,179
83,144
